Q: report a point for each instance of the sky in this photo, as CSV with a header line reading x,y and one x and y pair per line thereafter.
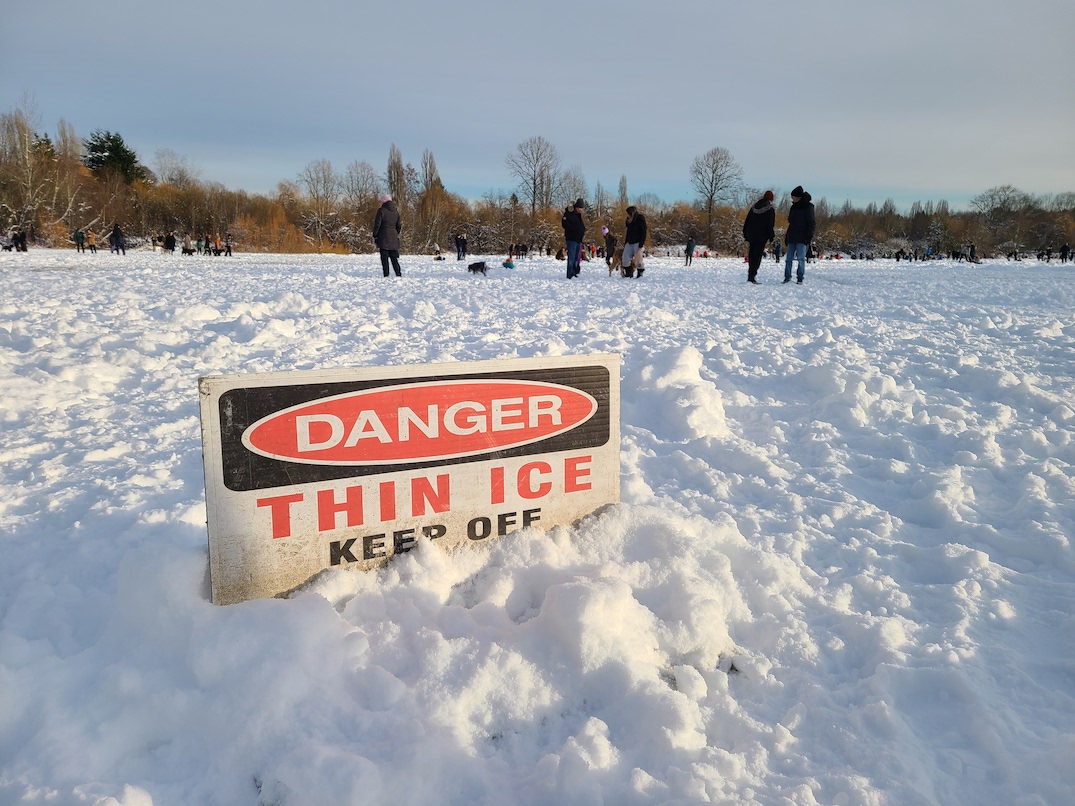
x,y
840,570
861,101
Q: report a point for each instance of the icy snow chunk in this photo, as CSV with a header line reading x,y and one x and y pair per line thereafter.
x,y
675,401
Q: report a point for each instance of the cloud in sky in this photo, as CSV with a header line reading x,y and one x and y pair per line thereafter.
x,y
909,99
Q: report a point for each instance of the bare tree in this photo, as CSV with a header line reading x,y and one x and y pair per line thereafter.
x,y
715,176
430,176
173,169
359,188
601,203
623,191
432,207
360,185
22,174
572,186
396,176
67,169
536,165
322,196
1004,212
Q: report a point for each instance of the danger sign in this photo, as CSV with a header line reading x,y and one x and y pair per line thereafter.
x,y
312,470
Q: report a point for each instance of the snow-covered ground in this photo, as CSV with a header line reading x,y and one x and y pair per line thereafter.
x,y
841,571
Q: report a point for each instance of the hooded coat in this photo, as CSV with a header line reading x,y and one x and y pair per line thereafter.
x,y
760,223
386,226
801,223
574,224
636,230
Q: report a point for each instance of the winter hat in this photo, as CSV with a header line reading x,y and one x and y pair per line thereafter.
x,y
384,197
768,195
604,230
579,202
798,192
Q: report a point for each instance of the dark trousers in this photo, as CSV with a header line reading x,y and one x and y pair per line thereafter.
x,y
754,258
394,255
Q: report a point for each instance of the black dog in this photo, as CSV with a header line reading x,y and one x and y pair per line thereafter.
x,y
188,251
476,268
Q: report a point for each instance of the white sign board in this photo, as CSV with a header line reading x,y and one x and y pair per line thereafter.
x,y
306,471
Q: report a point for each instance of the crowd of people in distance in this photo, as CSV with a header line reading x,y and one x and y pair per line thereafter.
x,y
207,245
759,231
85,240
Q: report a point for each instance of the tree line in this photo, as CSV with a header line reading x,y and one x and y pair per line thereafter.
x,y
52,185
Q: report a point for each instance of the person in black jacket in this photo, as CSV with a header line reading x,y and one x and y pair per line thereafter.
x,y
574,224
634,242
801,226
117,240
386,228
758,230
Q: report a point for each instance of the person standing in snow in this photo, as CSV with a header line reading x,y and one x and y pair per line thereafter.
x,y
689,249
461,246
386,229
758,230
574,224
610,245
117,241
634,242
801,226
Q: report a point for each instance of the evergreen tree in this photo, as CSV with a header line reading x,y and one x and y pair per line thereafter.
x,y
105,151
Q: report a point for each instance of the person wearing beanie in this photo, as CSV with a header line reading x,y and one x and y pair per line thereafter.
x,y
574,224
610,246
801,226
634,242
688,250
758,230
386,229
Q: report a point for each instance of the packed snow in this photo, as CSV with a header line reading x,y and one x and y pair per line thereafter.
x,y
841,571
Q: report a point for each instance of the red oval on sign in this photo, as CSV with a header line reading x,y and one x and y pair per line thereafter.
x,y
419,422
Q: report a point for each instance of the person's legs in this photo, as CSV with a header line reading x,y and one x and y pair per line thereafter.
x,y
796,251
394,254
629,252
384,261
754,256
574,249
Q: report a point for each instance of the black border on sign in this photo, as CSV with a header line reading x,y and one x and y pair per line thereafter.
x,y
243,470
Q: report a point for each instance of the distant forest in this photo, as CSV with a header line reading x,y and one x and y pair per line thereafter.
x,y
52,185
